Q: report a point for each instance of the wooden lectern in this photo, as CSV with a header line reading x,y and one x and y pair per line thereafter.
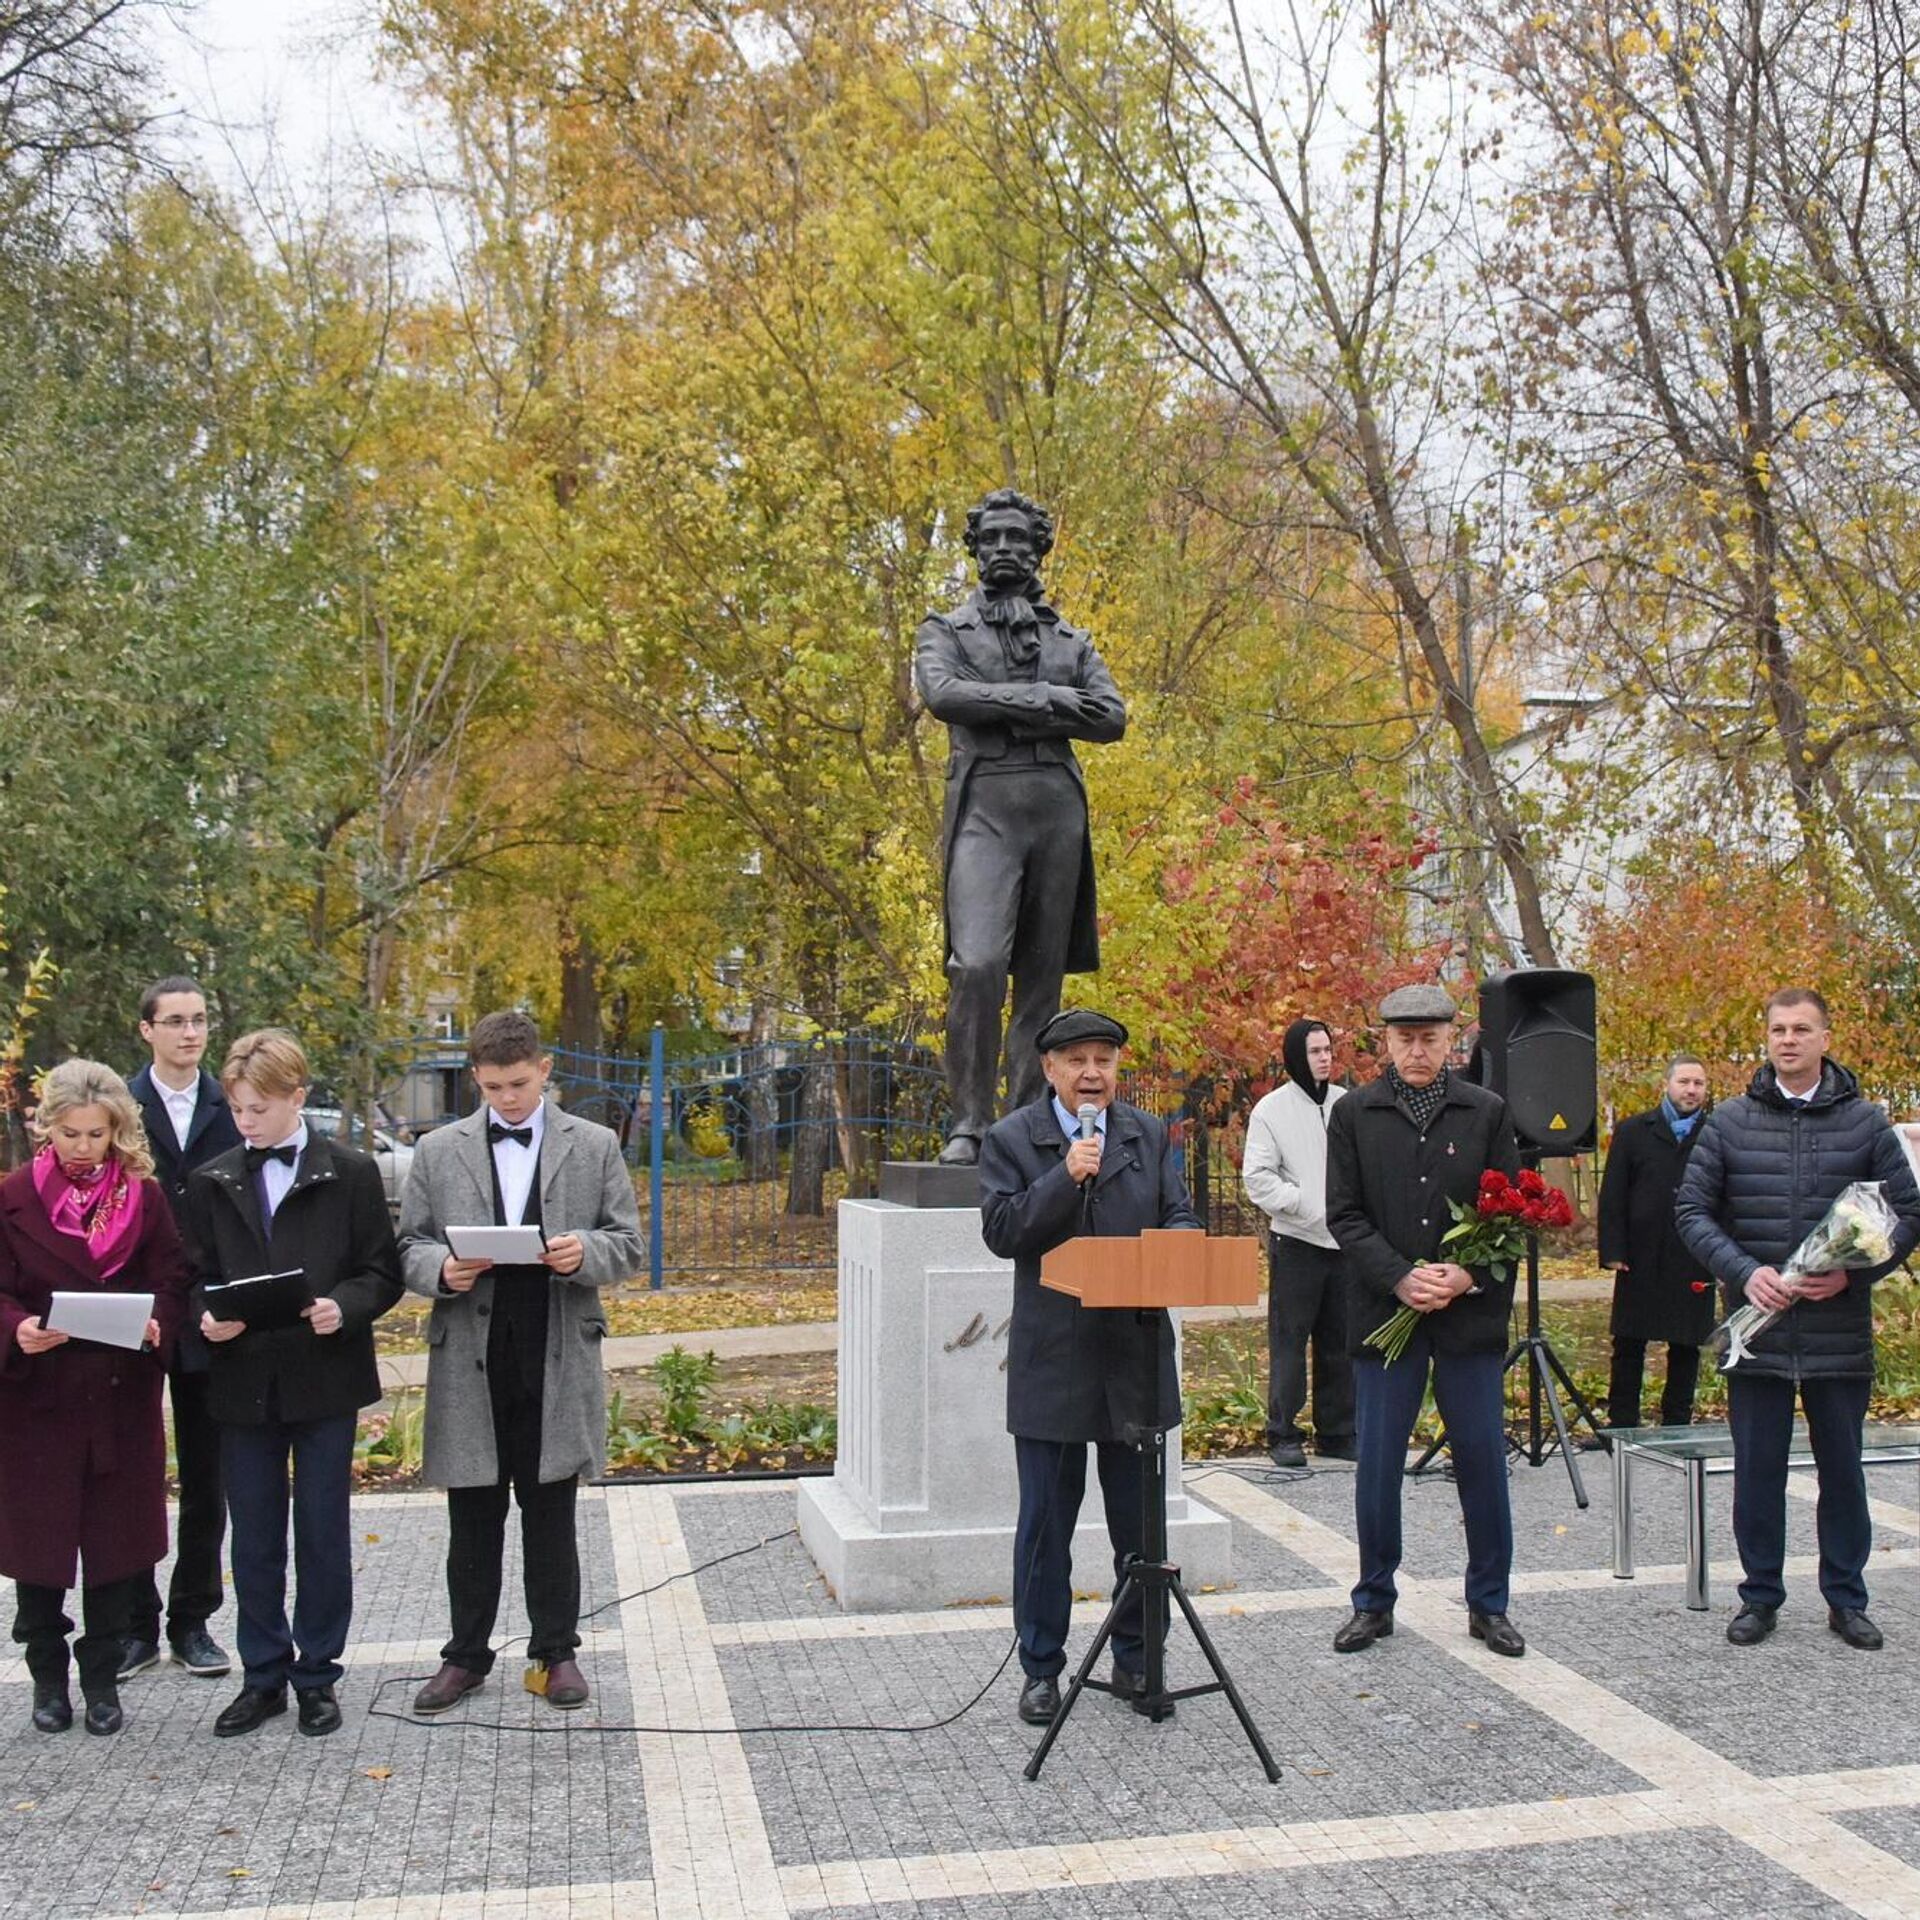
x,y
1162,1267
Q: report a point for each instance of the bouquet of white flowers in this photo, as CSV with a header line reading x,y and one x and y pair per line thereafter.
x,y
1857,1232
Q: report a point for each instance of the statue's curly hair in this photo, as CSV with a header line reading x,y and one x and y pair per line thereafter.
x,y
1038,518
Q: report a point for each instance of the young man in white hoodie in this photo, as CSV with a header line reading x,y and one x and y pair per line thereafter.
x,y
1285,1173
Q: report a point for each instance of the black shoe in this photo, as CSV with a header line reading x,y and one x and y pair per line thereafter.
x,y
1751,1625
52,1710
136,1656
103,1715
198,1651
1287,1455
248,1708
1366,1626
1040,1701
1132,1688
1853,1626
319,1710
1347,1449
1500,1634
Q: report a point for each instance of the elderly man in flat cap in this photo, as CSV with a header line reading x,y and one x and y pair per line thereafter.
x,y
1076,1161
1398,1150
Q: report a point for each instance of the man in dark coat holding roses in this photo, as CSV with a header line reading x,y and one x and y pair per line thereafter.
x,y
1398,1150
1660,1290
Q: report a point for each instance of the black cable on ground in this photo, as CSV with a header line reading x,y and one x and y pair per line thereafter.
x,y
376,1711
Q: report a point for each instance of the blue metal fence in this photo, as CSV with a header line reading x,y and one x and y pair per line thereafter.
x,y
746,1150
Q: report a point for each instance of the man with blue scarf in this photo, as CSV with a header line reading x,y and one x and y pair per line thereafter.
x,y
1660,1291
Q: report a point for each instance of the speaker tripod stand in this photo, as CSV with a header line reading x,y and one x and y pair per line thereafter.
x,y
1155,1580
1546,1377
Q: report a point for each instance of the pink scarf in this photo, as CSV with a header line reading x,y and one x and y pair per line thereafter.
x,y
98,1205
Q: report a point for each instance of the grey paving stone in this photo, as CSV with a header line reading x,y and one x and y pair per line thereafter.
x,y
1800,1702
1404,1728
1690,1876
1896,1830
777,1582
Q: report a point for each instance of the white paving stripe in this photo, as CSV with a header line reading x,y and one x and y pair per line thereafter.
x,y
707,1842
849,1885
844,1885
1816,1848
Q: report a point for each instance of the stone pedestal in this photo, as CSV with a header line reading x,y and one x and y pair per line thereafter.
x,y
920,1509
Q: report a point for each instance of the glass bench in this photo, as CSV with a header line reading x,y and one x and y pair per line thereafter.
x,y
1700,1450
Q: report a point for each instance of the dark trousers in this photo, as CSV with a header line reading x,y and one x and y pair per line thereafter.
x,y
1466,1387
1307,1303
1629,1369
1053,1481
41,1626
256,1461
549,1550
194,1593
1013,875
1760,1413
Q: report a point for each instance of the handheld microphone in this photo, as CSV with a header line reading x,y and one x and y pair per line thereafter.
x,y
1089,1117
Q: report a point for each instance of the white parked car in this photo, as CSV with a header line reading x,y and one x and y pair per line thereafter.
x,y
393,1157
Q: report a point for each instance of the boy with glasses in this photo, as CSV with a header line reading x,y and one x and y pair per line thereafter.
x,y
188,1123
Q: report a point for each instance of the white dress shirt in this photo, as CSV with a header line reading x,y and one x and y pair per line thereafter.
x,y
180,1104
276,1176
516,1165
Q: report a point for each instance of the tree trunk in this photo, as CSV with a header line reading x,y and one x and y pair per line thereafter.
x,y
812,1137
580,998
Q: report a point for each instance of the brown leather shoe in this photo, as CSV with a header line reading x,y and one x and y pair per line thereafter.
x,y
566,1684
447,1689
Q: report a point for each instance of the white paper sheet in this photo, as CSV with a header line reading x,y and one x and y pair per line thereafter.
x,y
510,1246
113,1319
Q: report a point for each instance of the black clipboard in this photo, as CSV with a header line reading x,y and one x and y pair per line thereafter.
x,y
262,1301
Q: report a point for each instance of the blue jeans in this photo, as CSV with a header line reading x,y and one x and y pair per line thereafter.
x,y
1466,1387
255,1461
1053,1480
1760,1414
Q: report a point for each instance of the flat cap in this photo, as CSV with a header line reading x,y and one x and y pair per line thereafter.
x,y
1428,1006
1079,1023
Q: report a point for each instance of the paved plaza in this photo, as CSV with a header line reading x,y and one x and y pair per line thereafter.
x,y
1632,1764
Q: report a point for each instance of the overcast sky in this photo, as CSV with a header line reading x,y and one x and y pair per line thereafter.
x,y
235,73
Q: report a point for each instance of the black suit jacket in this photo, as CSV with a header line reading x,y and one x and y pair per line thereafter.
x,y
211,1134
1388,1185
1665,1293
334,1224
1074,1372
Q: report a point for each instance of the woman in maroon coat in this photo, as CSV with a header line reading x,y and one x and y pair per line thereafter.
x,y
83,1457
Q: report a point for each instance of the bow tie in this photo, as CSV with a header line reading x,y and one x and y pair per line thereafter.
x,y
496,1133
257,1157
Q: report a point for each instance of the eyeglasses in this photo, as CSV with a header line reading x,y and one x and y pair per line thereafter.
x,y
184,1022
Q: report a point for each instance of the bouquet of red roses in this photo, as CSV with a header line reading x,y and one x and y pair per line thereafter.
x,y
1492,1233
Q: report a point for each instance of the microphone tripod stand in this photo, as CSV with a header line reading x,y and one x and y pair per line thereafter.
x,y
1156,1580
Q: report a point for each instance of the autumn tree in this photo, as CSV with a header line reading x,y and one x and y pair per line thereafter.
x,y
1723,447
1686,958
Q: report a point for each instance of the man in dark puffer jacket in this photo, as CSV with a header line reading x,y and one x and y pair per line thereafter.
x,y
1767,1168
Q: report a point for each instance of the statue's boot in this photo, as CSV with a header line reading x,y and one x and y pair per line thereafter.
x,y
963,1150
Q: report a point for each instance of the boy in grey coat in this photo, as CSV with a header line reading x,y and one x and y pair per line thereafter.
x,y
516,1400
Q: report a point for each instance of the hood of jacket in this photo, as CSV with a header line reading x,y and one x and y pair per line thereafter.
x,y
1293,1056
